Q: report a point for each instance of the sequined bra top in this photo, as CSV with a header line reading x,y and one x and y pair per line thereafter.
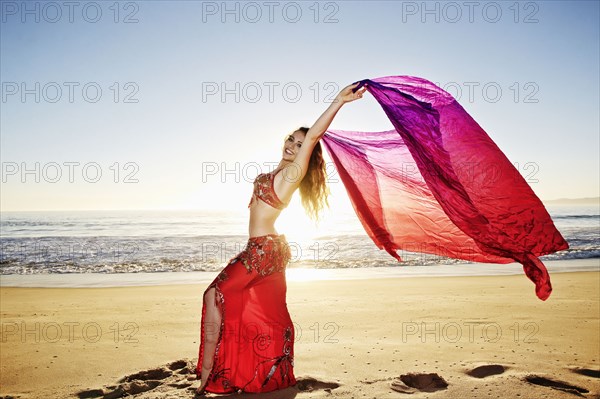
x,y
263,189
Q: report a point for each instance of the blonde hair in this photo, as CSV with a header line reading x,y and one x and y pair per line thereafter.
x,y
313,190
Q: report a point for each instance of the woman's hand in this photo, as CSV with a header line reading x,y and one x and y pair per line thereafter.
x,y
317,130
346,95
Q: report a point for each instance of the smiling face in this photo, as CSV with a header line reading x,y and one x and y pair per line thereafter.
x,y
292,145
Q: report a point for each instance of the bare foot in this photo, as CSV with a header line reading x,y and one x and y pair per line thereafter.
x,y
200,391
205,373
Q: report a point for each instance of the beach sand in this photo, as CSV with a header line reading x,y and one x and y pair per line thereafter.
x,y
354,339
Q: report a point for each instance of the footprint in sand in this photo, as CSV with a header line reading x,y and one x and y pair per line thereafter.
x,y
309,384
487,370
175,380
413,382
587,372
555,384
153,374
174,376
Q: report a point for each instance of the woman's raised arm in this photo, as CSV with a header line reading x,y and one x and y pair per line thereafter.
x,y
322,124
314,134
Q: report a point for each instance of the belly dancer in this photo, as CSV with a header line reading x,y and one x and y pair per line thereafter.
x,y
247,335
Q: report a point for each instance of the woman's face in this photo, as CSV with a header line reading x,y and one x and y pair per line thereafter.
x,y
292,145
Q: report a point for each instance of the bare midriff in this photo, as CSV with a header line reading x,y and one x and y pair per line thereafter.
x,y
262,219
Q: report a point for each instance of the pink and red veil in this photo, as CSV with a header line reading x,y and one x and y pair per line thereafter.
x,y
437,183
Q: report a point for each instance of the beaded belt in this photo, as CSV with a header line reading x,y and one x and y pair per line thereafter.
x,y
265,254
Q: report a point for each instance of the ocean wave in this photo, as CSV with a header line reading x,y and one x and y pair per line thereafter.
x,y
155,243
10,265
592,217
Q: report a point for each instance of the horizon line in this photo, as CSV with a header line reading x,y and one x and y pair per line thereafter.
x,y
582,201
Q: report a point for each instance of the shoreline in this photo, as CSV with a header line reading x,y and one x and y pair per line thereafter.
x,y
105,280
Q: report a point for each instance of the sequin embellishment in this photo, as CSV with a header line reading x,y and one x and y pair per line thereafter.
x,y
265,254
263,189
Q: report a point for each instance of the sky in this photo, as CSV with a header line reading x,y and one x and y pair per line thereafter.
x,y
180,104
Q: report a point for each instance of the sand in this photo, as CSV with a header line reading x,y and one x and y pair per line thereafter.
x,y
471,337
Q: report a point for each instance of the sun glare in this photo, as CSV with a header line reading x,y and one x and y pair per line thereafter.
x,y
296,225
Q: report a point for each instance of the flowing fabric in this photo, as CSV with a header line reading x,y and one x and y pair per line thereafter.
x,y
438,184
255,348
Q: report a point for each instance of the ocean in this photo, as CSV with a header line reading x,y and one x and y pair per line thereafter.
x,y
64,242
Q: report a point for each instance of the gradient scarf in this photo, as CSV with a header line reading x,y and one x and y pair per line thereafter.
x,y
438,184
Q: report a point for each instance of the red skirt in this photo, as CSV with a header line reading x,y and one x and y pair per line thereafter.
x,y
255,348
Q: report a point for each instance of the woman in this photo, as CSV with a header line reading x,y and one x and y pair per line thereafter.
x,y
247,335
